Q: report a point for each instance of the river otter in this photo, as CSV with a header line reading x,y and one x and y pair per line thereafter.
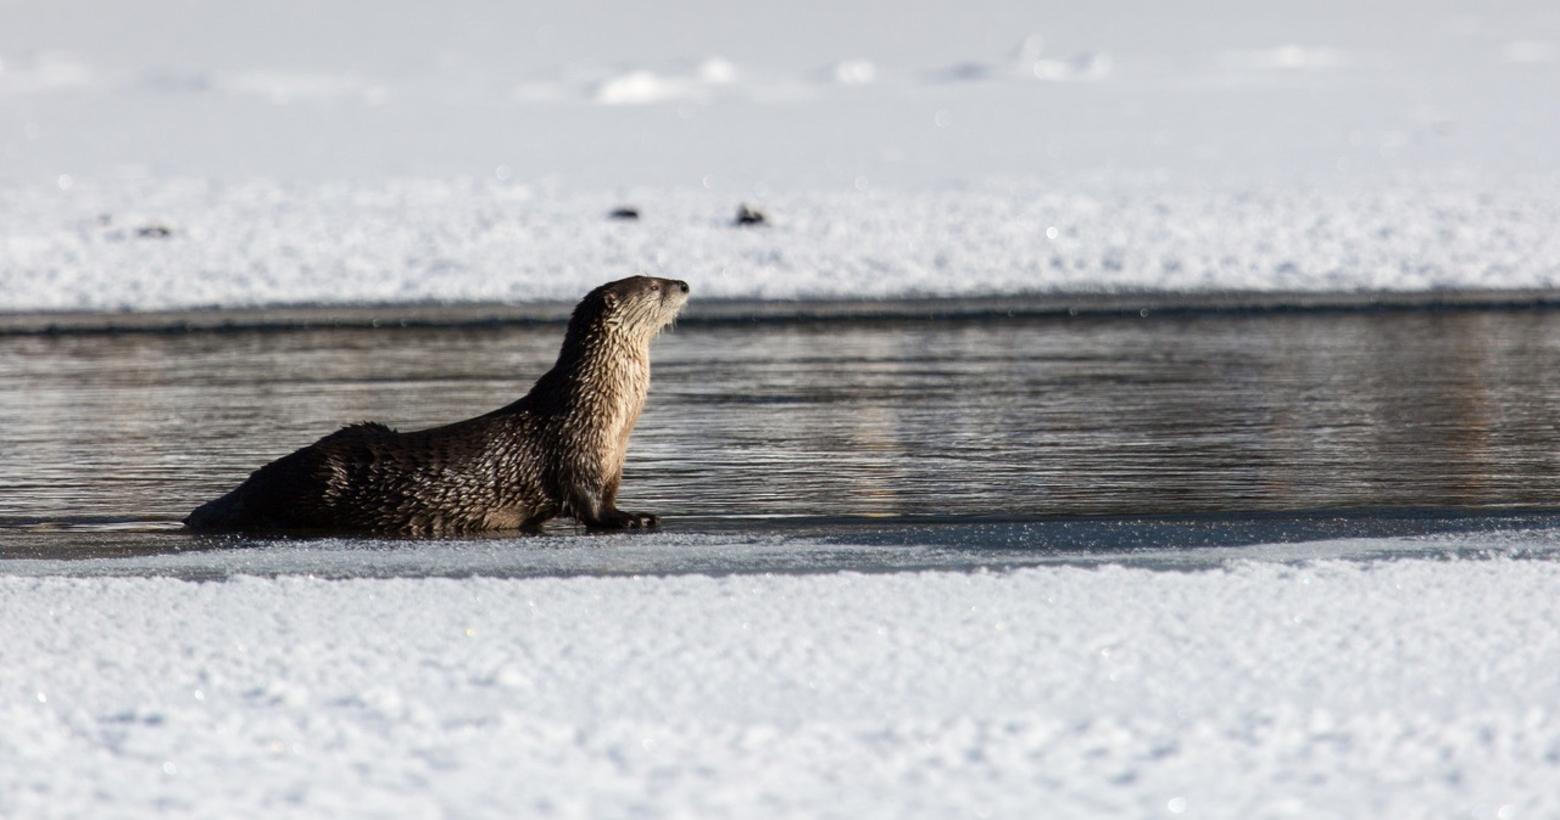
x,y
557,451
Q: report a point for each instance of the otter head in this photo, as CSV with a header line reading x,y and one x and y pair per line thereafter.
x,y
637,307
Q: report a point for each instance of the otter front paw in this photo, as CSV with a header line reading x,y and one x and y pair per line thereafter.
x,y
619,520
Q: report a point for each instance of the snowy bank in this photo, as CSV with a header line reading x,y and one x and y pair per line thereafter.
x,y
184,244
1392,689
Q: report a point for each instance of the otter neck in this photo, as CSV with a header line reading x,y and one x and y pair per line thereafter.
x,y
608,372
602,347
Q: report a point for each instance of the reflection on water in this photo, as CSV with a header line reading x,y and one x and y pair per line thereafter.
x,y
1006,418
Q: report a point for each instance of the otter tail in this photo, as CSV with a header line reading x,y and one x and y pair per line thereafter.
x,y
218,515
287,493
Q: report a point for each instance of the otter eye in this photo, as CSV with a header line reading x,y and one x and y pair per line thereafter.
x,y
655,285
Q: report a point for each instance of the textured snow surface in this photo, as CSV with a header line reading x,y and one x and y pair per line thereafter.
x,y
1291,145
1407,688
419,241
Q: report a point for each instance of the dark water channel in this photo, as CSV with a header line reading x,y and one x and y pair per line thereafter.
x,y
107,439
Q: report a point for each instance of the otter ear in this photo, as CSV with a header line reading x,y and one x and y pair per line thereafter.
x,y
610,298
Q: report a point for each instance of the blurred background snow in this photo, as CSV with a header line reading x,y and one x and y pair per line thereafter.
x,y
799,94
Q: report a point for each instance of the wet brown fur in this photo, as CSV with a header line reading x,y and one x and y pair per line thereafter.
x,y
557,451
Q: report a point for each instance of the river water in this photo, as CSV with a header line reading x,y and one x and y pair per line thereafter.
x,y
1014,437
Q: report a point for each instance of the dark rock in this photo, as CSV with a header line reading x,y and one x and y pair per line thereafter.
x,y
749,215
153,232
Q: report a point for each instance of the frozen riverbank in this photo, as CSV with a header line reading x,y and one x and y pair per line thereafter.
x,y
1403,688
180,245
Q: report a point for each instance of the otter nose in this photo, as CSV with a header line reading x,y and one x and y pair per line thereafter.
x,y
681,285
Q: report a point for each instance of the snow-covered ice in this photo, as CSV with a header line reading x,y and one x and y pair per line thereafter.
x,y
307,154
1154,543
489,241
1407,688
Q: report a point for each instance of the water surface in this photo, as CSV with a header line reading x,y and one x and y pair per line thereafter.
x,y
773,429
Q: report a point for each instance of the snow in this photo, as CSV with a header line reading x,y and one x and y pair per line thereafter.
x,y
1405,688
1284,58
641,86
852,72
286,87
418,241
306,154
47,72
300,152
1030,61
801,96
1530,52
